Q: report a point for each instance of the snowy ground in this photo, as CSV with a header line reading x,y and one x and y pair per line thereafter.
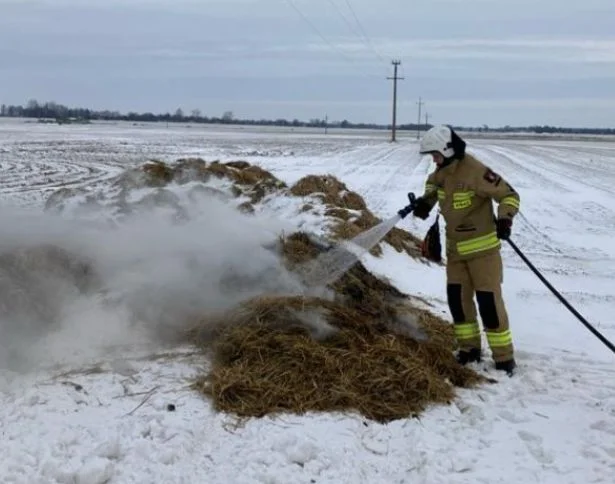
x,y
109,420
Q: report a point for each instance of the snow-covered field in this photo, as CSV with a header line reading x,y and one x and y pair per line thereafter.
x,y
97,419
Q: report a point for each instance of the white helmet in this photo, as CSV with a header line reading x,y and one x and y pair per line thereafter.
x,y
440,139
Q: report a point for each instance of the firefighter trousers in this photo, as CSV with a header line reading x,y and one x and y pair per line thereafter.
x,y
482,278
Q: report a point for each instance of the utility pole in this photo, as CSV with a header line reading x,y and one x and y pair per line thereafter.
x,y
395,79
418,126
426,120
326,122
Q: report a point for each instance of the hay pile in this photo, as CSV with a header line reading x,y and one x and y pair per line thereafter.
x,y
351,213
354,352
330,190
363,348
249,180
346,210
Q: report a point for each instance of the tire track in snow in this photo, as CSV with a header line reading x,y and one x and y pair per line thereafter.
x,y
524,169
598,163
33,170
556,161
588,219
516,168
364,160
400,170
381,174
520,175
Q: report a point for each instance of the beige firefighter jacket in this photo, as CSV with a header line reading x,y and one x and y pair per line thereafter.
x,y
465,191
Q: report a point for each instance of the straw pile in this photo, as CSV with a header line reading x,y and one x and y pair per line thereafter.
x,y
356,351
347,209
351,213
330,190
363,348
248,180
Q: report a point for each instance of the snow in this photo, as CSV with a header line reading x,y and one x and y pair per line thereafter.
x,y
130,416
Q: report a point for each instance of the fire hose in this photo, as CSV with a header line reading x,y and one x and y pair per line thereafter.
x,y
563,300
410,207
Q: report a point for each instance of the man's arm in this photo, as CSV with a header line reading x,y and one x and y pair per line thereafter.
x,y
492,185
426,202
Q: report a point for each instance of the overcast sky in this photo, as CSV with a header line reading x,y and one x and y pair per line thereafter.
x,y
473,62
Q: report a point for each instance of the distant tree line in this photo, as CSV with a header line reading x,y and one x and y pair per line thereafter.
x,y
54,112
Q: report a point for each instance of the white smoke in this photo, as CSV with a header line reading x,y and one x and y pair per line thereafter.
x,y
151,276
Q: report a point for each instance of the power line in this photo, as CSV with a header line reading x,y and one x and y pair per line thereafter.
x,y
353,29
346,21
332,46
368,42
313,27
367,39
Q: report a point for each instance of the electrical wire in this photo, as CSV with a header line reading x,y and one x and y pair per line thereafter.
x,y
350,25
316,31
333,47
365,36
346,21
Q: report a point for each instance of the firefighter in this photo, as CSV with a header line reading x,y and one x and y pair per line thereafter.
x,y
465,189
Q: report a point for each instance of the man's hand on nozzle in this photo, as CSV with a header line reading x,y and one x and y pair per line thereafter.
x,y
421,208
407,210
404,212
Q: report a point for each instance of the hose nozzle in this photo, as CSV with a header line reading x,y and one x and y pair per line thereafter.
x,y
404,212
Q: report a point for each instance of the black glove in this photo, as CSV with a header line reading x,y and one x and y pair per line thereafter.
x,y
503,226
421,208
404,212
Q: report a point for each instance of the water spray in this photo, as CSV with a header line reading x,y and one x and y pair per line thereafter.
x,y
334,262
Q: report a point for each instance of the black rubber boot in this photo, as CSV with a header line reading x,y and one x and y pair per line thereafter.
x,y
508,366
471,356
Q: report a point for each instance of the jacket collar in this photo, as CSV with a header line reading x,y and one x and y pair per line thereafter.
x,y
449,166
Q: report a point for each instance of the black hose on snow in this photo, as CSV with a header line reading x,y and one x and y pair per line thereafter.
x,y
596,333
